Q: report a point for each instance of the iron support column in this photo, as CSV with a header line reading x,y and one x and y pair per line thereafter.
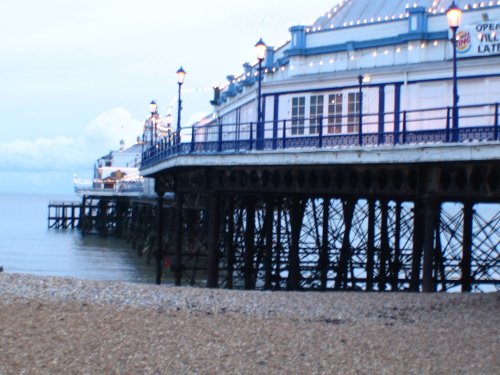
x,y
178,238
345,251
213,242
277,270
370,251
396,264
296,219
418,235
159,238
268,250
324,259
385,250
230,244
467,248
430,223
249,267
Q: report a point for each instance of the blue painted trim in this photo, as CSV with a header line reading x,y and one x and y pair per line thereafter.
x,y
375,43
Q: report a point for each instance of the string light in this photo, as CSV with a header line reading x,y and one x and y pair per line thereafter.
x,y
436,7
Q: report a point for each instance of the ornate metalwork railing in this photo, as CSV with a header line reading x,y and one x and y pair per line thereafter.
x,y
477,123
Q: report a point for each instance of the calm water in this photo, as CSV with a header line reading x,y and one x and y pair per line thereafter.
x,y
28,246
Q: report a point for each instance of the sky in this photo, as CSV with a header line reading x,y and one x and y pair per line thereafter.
x,y
76,76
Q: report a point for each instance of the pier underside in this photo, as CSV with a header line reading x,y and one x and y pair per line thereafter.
x,y
429,227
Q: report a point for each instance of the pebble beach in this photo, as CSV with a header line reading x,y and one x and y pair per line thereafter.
x,y
51,325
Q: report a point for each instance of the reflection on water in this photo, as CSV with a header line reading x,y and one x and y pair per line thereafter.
x,y
27,246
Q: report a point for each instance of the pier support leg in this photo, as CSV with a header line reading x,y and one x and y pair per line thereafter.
x,y
418,235
213,241
159,238
277,269
370,250
345,251
385,251
324,259
178,238
467,248
249,255
430,218
230,248
396,263
268,250
296,218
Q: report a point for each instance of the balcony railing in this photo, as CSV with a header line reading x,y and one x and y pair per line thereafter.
x,y
477,123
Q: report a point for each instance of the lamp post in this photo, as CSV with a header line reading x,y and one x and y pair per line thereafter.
x,y
454,15
152,108
360,118
180,80
260,49
169,128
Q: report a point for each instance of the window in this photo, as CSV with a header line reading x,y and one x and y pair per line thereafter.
x,y
315,113
298,114
352,112
335,113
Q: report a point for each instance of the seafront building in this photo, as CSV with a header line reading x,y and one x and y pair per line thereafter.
x,y
363,153
380,59
117,174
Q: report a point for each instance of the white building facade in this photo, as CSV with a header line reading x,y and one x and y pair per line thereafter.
x,y
367,71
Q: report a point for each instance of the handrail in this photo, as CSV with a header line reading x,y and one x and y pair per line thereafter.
x,y
432,125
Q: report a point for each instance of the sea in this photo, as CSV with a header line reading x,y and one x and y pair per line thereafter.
x,y
28,246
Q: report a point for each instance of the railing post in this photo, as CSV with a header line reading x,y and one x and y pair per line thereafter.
x,y
219,139
320,141
284,134
192,139
448,112
251,135
404,127
360,131
495,128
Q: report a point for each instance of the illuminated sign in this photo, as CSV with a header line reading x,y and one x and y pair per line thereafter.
x,y
482,39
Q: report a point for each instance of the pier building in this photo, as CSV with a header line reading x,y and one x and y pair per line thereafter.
x,y
362,154
107,198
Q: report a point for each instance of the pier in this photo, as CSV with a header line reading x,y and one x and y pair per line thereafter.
x,y
344,159
64,215
417,211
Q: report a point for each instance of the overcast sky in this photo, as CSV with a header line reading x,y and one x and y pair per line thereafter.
x,y
76,76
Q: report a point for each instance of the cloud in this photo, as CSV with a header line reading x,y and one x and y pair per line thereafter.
x,y
61,153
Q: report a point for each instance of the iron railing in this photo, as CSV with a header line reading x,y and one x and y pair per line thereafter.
x,y
477,123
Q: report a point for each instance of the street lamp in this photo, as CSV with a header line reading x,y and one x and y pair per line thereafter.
x,y
152,108
260,49
454,15
360,114
180,80
168,121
